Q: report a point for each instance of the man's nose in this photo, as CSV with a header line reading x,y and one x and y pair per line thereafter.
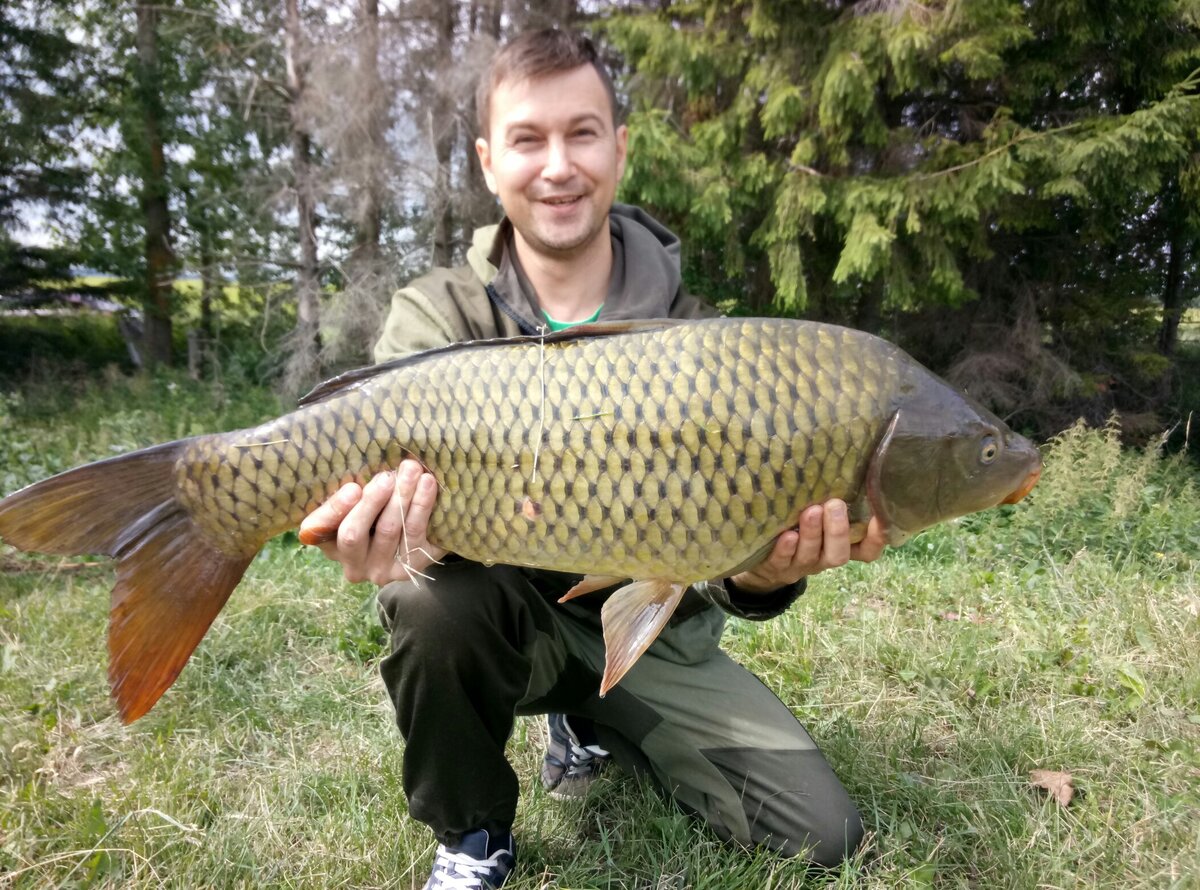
x,y
559,165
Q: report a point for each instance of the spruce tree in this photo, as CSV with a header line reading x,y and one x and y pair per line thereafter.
x,y
1030,163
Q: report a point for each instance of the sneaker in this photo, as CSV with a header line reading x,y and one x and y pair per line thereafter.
x,y
573,760
478,862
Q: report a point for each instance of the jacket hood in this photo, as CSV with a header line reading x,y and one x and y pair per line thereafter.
x,y
645,279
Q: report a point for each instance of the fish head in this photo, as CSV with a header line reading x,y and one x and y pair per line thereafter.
x,y
942,456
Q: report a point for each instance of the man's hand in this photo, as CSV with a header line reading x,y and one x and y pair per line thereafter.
x,y
821,541
381,528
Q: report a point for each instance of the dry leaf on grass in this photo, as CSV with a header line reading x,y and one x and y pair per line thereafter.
x,y
1057,784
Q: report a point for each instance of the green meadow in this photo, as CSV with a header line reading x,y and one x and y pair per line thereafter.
x,y
1060,634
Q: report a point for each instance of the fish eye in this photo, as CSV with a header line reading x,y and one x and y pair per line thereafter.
x,y
988,449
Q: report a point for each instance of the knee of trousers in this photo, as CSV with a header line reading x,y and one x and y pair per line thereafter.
x,y
827,841
402,604
791,802
825,838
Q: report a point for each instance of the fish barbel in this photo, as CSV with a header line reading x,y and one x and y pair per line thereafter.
x,y
664,452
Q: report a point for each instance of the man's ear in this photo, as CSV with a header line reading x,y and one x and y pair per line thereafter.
x,y
622,135
484,151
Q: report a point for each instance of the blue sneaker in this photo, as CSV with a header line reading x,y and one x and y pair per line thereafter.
x,y
573,759
478,862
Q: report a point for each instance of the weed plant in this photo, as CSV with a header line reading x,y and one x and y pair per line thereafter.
x,y
1060,633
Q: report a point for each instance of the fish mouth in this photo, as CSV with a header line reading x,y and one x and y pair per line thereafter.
x,y
1025,487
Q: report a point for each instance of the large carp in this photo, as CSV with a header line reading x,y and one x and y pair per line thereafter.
x,y
663,452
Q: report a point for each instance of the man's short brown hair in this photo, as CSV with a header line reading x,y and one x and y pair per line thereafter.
x,y
536,54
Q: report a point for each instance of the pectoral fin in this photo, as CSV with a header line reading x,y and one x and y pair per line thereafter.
x,y
633,617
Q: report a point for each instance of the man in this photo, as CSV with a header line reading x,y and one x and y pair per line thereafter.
x,y
474,645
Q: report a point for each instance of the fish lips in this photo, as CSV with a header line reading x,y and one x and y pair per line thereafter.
x,y
1026,486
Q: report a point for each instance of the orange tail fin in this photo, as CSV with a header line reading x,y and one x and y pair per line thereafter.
x,y
171,583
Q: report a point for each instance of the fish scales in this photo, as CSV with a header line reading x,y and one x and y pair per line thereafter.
x,y
678,453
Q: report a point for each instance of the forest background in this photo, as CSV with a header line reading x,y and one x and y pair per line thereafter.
x,y
1010,190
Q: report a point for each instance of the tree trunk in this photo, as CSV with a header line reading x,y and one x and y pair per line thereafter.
x,y
307,305
364,255
868,311
1173,295
354,315
444,130
479,204
210,285
159,256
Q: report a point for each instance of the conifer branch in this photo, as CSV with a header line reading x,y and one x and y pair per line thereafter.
x,y
1024,137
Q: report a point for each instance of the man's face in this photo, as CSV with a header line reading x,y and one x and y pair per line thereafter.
x,y
554,159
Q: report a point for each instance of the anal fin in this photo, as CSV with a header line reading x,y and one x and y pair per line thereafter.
x,y
633,617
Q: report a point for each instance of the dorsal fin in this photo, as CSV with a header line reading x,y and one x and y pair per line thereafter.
x,y
342,382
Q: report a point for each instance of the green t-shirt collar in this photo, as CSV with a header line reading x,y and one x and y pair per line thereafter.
x,y
563,325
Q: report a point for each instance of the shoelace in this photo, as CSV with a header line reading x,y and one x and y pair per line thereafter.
x,y
458,871
582,757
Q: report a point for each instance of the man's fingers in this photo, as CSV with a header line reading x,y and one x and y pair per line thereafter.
x,y
388,536
321,525
779,561
354,534
374,498
836,543
389,527
808,551
870,548
420,508
421,554
366,528
407,476
400,542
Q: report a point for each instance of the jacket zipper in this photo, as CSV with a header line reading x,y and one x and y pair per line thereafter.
x,y
522,324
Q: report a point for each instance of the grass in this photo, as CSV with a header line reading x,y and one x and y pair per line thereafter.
x,y
1059,634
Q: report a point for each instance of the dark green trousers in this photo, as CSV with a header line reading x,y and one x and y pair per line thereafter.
x,y
478,645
